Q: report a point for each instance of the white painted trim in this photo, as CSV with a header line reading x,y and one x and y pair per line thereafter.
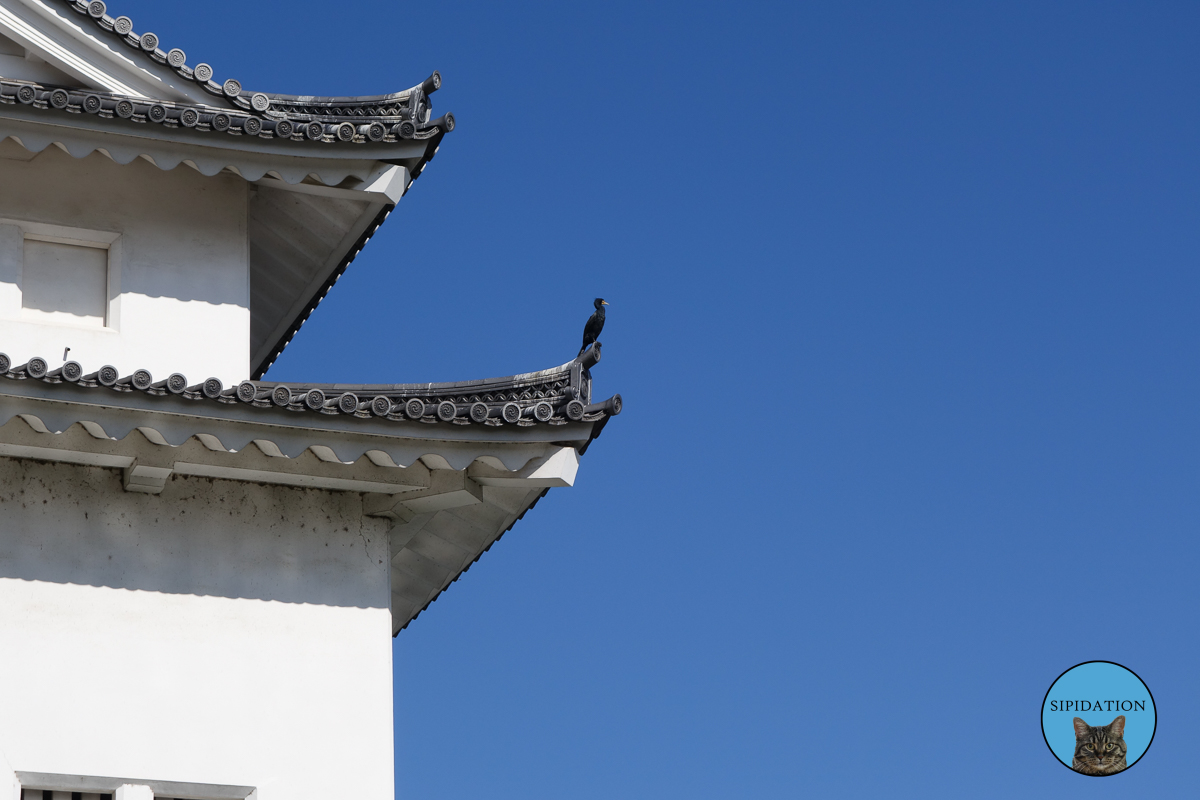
x,y
85,459
83,237
280,478
559,468
388,187
95,784
53,50
68,44
391,184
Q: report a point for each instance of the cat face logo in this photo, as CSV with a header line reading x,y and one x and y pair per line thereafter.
x,y
1100,750
1098,689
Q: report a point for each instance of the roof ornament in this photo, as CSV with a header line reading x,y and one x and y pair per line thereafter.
x,y
71,371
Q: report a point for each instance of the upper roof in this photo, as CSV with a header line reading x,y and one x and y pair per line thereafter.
x,y
192,99
107,87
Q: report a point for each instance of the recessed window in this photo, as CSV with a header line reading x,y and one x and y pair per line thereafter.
x,y
64,283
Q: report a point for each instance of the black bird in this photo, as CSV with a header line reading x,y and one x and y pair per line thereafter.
x,y
595,324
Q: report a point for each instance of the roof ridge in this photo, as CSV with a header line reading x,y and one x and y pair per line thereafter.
x,y
173,114
261,103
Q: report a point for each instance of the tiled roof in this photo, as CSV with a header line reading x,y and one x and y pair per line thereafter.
x,y
359,120
293,126
549,397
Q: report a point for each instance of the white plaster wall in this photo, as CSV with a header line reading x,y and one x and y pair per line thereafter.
x,y
179,267
221,632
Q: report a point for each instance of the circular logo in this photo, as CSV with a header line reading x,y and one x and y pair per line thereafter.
x,y
1098,718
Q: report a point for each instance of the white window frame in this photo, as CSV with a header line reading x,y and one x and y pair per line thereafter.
x,y
109,241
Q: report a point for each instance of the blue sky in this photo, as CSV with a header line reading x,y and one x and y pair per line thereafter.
x,y
904,304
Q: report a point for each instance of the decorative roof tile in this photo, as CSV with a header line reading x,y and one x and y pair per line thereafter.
x,y
406,113
295,126
550,397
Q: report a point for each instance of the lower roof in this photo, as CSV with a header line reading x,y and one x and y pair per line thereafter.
x,y
559,396
452,483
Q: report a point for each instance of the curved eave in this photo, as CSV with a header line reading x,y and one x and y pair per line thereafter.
x,y
230,431
525,380
358,123
556,402
227,142
251,160
344,100
146,46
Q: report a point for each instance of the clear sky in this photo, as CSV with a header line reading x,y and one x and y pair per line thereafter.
x,y
904,313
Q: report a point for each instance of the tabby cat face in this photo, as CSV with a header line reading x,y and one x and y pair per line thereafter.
x,y
1099,750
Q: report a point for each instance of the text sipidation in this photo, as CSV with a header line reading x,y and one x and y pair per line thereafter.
x,y
1097,705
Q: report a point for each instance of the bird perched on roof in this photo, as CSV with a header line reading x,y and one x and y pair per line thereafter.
x,y
595,324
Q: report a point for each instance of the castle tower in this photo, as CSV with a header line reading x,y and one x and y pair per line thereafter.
x,y
201,572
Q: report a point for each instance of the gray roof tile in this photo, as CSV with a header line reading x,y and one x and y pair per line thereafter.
x,y
550,397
